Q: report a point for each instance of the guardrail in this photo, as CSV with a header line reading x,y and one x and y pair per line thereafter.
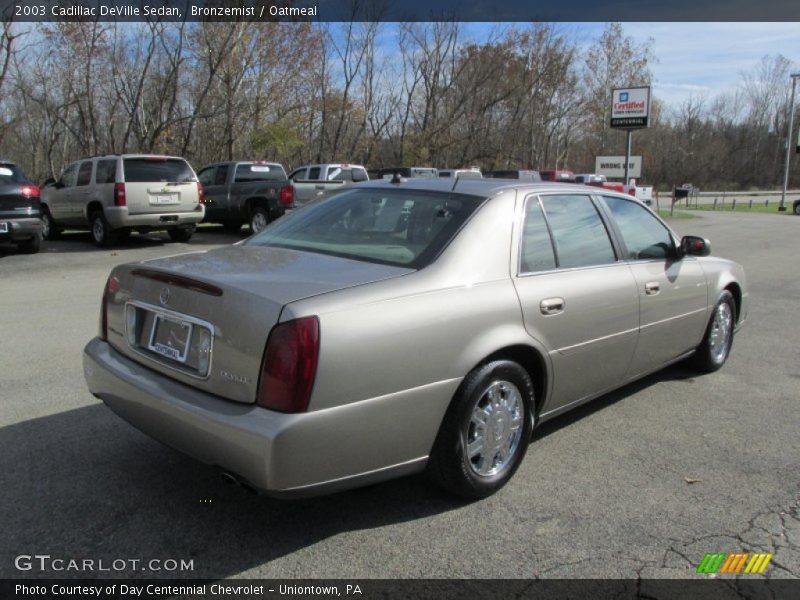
x,y
729,200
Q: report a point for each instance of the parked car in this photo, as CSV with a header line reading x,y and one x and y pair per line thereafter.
x,y
252,192
345,345
115,194
473,173
522,175
564,176
589,179
313,181
407,172
20,221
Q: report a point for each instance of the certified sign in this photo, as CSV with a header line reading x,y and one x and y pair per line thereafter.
x,y
630,107
614,166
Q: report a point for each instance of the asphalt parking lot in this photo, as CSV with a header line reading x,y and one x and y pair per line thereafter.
x,y
640,483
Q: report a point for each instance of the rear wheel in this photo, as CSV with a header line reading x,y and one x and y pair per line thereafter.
x,y
797,207
259,219
49,229
713,351
181,235
485,433
102,234
31,245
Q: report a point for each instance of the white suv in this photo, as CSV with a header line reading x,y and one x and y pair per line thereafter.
x,y
119,193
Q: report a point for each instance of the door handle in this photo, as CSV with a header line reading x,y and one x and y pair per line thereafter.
x,y
651,288
551,306
319,187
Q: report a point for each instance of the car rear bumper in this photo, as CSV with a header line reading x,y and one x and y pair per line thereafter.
x,y
119,217
280,454
21,229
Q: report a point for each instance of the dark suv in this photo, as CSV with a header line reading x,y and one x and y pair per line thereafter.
x,y
20,213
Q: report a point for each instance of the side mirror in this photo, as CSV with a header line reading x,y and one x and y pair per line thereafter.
x,y
691,245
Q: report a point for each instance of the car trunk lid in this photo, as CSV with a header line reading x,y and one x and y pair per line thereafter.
x,y
167,310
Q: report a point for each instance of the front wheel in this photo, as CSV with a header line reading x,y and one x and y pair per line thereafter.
x,y
259,219
485,433
713,351
797,207
49,229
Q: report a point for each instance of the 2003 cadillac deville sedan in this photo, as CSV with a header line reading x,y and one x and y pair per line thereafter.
x,y
406,325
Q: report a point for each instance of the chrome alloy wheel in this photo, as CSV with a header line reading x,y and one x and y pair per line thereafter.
x,y
721,330
258,221
494,431
46,225
98,230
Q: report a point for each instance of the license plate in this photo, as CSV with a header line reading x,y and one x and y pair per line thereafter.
x,y
3,227
165,199
170,337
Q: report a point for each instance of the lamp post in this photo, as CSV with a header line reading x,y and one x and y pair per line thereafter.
x,y
782,206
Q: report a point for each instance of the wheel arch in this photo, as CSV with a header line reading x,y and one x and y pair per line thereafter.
x,y
91,208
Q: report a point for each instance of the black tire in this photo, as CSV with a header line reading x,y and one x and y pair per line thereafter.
x,y
456,468
715,348
102,234
31,245
181,235
50,231
259,218
796,207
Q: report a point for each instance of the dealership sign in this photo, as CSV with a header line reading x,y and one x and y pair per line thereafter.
x,y
614,166
630,107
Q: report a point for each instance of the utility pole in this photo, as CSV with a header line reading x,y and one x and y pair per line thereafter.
x,y
782,206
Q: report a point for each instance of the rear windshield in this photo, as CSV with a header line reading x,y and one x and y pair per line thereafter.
x,y
173,170
10,174
405,228
257,172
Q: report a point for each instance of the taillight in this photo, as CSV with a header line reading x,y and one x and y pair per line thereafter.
x,y
112,287
201,193
287,195
119,195
289,366
30,191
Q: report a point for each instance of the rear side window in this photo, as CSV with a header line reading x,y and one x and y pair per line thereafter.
x,y
537,248
85,173
106,171
222,175
580,238
10,174
206,176
172,170
257,172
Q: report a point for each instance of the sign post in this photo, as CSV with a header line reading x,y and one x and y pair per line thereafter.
x,y
630,109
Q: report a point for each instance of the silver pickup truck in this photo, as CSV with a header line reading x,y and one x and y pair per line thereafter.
x,y
252,192
312,181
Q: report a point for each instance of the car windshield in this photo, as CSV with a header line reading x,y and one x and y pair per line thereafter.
x,y
172,170
388,226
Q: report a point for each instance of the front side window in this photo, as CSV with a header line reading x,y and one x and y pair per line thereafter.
x,y
537,249
313,173
85,173
70,175
394,227
359,174
644,235
580,238
298,174
206,176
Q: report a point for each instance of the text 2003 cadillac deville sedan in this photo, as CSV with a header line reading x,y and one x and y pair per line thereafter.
x,y
399,326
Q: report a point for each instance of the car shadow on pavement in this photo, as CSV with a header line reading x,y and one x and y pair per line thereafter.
x,y
84,484
80,241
